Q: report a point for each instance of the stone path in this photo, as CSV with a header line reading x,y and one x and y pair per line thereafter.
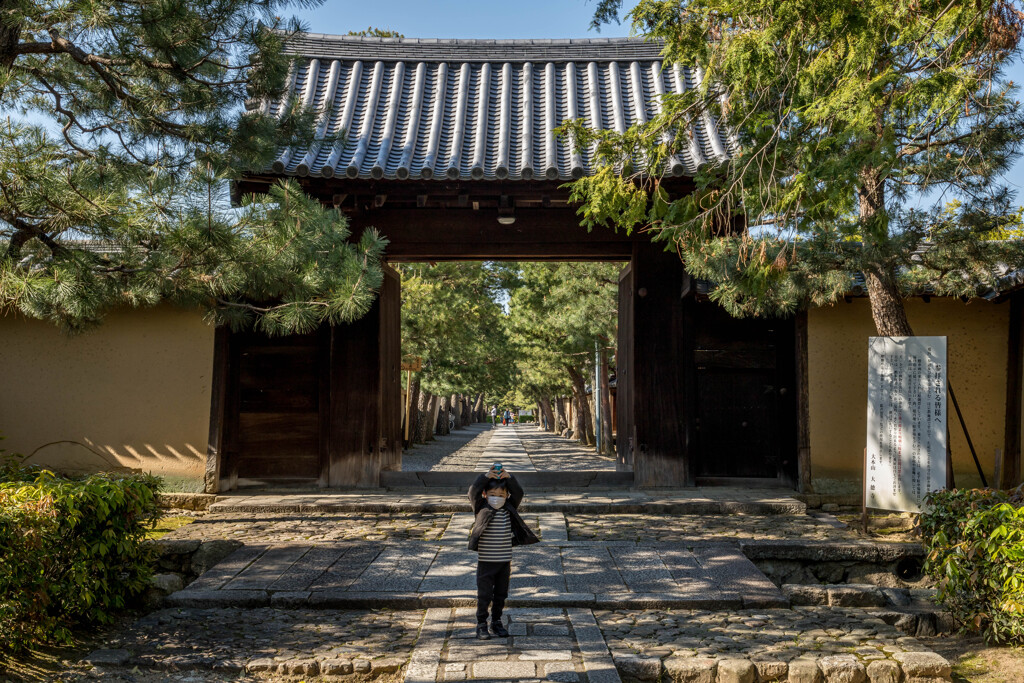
x,y
556,644
552,452
458,451
625,585
506,448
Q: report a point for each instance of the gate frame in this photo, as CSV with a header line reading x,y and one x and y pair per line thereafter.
x,y
427,221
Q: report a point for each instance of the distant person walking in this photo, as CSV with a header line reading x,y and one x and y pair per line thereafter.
x,y
505,417
494,415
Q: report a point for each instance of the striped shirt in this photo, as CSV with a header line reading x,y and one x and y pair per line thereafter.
x,y
496,539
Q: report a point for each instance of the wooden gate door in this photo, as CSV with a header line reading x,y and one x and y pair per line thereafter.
x,y
625,436
277,407
745,389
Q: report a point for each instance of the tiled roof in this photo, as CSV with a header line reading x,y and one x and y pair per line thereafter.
x,y
476,109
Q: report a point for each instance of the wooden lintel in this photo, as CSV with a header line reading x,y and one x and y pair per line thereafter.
x,y
378,200
463,199
421,201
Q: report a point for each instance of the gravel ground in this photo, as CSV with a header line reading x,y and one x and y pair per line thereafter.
x,y
551,452
456,452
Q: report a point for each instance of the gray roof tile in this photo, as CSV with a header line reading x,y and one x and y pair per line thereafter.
x,y
476,109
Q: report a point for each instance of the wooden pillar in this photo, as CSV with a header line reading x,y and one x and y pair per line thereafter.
x,y
390,437
803,412
1010,473
662,382
625,439
218,472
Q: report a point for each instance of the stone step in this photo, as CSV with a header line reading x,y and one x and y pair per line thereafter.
x,y
572,501
532,481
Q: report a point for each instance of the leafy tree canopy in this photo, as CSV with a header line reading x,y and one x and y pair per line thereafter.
x,y
123,123
453,319
846,120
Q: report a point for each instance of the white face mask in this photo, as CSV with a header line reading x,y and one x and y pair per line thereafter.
x,y
495,501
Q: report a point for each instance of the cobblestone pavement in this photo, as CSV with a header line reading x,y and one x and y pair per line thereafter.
x,y
840,642
551,452
267,641
314,527
456,452
671,529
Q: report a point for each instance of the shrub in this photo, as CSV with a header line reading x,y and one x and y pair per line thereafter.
x,y
70,550
975,540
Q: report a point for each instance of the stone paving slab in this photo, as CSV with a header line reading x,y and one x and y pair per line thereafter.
x,y
413,575
506,448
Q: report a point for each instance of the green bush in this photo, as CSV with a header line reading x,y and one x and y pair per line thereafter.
x,y
71,550
975,540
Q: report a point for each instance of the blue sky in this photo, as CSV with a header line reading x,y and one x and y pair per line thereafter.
x,y
490,19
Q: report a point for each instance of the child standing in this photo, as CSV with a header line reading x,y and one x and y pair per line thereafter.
x,y
495,497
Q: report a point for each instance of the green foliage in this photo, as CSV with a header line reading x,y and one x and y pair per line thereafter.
x,y
452,318
123,125
557,313
374,32
845,118
975,540
71,550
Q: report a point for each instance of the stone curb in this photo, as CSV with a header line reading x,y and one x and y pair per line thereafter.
x,y
186,501
908,666
294,667
831,551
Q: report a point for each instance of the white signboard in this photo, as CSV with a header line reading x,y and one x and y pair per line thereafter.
x,y
906,453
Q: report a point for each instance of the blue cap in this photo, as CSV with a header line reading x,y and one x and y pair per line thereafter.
x,y
497,466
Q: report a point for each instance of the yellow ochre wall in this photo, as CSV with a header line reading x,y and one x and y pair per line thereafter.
x,y
837,341
136,389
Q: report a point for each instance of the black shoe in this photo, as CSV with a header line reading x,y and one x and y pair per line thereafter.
x,y
481,632
498,629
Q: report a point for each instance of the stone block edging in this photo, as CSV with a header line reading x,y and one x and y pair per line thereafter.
x,y
832,669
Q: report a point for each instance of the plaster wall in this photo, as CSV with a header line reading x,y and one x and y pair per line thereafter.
x,y
838,373
134,392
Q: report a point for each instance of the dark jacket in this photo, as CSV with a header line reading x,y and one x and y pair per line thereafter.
x,y
521,534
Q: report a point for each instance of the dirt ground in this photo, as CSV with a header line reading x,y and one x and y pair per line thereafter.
x,y
975,662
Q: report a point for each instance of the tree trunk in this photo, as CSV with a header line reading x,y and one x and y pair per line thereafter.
x,y
478,408
887,307
412,418
422,415
430,425
549,418
457,411
605,393
584,428
467,411
560,423
442,416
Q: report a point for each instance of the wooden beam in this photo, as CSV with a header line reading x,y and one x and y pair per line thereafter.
x,y
421,200
1010,472
218,412
449,234
378,200
803,412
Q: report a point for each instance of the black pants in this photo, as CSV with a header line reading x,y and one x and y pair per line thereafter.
x,y
491,587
